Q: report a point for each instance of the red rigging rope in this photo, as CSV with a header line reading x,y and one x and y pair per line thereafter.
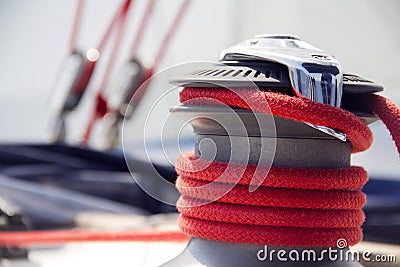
x,y
75,26
142,27
293,206
137,95
100,101
101,106
118,19
170,33
117,43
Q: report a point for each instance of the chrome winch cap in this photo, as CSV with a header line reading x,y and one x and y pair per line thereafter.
x,y
313,73
288,65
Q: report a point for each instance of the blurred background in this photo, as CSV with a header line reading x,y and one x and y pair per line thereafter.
x,y
362,34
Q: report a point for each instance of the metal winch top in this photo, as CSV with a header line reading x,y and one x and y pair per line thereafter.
x,y
312,72
285,64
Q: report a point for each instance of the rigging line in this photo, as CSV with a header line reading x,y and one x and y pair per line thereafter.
x,y
172,30
143,24
101,106
75,25
117,45
116,19
164,45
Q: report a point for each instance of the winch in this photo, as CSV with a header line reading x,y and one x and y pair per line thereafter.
x,y
269,166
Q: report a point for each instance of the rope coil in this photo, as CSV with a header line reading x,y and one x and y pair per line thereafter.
x,y
293,206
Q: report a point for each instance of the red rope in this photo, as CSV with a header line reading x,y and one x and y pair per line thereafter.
x,y
273,197
142,27
117,43
270,216
293,206
171,32
256,234
118,19
119,15
142,87
101,107
85,77
159,56
278,215
389,113
64,236
75,26
89,67
353,177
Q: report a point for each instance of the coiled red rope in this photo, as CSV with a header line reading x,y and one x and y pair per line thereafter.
x,y
280,212
293,206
